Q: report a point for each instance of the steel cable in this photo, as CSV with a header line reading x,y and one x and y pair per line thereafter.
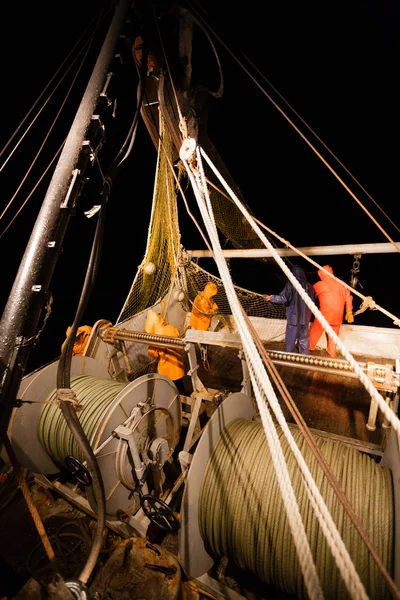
x,y
95,395
242,516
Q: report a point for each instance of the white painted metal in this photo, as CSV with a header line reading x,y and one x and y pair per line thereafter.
x,y
384,248
370,341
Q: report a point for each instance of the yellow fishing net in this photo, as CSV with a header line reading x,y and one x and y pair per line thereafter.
x,y
167,263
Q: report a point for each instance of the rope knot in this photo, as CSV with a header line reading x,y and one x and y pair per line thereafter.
x,y
67,395
369,302
187,150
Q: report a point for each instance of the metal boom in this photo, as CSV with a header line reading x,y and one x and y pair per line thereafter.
x,y
21,315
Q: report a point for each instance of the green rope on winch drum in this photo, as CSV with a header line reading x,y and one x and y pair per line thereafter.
x,y
95,395
242,516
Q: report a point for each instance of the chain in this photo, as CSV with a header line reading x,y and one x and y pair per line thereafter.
x,y
354,281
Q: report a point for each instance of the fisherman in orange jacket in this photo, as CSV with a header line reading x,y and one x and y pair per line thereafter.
x,y
81,339
170,361
204,307
333,298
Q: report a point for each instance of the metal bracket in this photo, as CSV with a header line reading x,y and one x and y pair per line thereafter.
x,y
386,380
104,92
70,199
126,433
246,381
193,420
383,377
198,386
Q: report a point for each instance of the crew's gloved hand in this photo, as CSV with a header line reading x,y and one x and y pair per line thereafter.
x,y
349,316
268,298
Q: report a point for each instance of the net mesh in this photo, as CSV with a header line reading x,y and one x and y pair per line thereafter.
x,y
166,263
230,221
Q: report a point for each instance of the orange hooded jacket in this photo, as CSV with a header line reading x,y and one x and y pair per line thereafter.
x,y
170,361
204,303
81,339
333,297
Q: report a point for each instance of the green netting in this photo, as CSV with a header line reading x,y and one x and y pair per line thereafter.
x,y
162,242
230,221
166,264
253,303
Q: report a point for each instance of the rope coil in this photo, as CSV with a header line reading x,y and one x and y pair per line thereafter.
x,y
94,395
242,516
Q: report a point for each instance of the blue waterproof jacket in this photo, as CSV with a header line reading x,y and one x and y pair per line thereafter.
x,y
297,312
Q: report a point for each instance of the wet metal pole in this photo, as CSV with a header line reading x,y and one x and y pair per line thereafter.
x,y
21,315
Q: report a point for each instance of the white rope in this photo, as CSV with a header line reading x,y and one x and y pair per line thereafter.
x,y
383,406
306,561
263,387
339,551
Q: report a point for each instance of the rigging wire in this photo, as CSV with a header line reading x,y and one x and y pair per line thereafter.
x,y
366,299
46,88
300,133
322,142
181,120
130,138
220,91
101,18
50,129
180,117
177,179
33,190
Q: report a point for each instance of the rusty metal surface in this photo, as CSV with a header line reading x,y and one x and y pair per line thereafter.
x,y
328,401
139,570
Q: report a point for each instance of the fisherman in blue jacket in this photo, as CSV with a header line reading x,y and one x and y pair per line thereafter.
x,y
297,313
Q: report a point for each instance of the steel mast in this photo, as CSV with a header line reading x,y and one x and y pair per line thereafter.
x,y
19,322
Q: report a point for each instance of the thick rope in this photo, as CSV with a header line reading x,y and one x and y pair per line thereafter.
x,y
296,525
383,406
262,389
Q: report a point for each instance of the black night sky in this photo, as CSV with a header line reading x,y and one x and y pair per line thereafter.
x,y
337,66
